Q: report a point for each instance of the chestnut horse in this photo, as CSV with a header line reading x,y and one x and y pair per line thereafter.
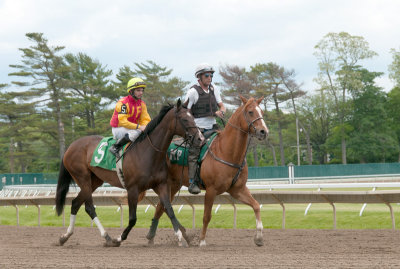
x,y
224,168
144,168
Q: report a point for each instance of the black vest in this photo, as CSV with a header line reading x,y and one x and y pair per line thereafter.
x,y
206,105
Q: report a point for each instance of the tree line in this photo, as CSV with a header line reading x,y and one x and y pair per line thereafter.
x,y
58,97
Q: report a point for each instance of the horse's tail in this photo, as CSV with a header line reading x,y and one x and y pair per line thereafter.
x,y
64,180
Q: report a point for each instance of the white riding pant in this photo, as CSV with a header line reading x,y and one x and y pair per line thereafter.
x,y
119,132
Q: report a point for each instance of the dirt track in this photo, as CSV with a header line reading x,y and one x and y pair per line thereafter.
x,y
34,247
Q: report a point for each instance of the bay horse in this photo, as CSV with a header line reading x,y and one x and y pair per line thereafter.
x,y
144,167
224,168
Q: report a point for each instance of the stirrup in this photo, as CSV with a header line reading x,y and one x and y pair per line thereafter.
x,y
114,151
194,188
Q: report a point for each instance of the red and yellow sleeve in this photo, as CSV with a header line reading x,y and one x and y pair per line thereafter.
x,y
144,116
123,115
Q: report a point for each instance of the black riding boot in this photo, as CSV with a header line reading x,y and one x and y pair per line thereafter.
x,y
194,152
118,145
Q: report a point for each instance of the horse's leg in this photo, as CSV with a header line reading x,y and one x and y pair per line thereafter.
x,y
154,223
75,205
133,195
208,203
91,211
163,194
244,195
157,215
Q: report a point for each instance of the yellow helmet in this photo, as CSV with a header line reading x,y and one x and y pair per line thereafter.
x,y
135,83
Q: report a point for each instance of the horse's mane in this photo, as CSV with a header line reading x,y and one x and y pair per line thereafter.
x,y
153,124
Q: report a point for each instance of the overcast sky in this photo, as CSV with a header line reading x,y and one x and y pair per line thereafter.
x,y
182,34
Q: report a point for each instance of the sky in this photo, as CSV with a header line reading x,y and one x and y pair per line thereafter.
x,y
182,34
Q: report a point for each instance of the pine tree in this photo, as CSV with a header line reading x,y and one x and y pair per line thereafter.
x,y
45,72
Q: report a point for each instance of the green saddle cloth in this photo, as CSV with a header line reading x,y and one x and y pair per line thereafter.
x,y
102,157
179,154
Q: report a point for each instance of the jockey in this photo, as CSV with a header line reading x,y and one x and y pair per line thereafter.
x,y
130,116
204,101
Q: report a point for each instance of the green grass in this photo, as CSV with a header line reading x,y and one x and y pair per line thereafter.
x,y
375,216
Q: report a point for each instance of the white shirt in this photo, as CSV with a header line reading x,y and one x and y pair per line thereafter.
x,y
193,97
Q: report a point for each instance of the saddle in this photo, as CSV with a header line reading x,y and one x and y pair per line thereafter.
x,y
103,158
178,151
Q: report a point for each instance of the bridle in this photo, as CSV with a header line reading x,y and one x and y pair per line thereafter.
x,y
250,124
188,136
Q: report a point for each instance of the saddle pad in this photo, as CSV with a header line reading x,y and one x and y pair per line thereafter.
x,y
102,157
178,154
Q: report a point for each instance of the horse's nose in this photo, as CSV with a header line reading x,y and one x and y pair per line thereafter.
x,y
262,134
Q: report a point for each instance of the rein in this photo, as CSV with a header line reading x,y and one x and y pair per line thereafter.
x,y
151,143
186,138
237,166
154,147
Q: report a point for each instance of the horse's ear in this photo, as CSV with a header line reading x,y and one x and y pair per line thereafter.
x,y
179,104
259,100
186,103
244,100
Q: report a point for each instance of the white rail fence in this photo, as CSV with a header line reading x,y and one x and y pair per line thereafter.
x,y
38,195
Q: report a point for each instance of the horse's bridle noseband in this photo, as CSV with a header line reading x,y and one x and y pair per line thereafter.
x,y
187,128
250,124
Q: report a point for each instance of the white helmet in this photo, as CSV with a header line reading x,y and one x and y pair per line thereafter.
x,y
203,68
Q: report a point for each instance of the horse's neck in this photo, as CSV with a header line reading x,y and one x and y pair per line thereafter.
x,y
161,138
232,143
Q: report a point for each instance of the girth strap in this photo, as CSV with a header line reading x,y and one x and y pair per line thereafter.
x,y
120,173
239,167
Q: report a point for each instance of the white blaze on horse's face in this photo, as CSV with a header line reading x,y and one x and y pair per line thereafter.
x,y
262,120
263,133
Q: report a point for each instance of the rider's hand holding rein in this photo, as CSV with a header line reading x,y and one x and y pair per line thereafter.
x,y
220,114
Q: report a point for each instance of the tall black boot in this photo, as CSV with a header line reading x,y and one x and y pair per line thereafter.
x,y
194,181
114,149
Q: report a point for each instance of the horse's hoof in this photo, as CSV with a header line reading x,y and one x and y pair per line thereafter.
x,y
183,243
149,237
202,243
184,234
62,240
151,242
259,241
112,243
186,238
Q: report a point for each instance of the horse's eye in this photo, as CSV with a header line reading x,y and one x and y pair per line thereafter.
x,y
251,113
